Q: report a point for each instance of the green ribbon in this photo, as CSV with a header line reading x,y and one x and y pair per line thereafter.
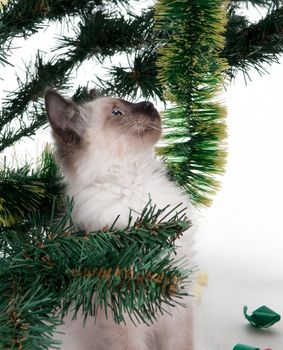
x,y
263,317
244,347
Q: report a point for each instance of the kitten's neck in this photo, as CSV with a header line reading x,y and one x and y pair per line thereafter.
x,y
116,170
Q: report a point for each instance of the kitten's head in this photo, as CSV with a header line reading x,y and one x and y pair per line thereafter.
x,y
106,125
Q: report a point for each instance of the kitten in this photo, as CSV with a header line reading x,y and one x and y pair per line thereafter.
x,y
105,150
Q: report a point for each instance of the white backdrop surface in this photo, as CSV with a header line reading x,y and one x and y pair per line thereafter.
x,y
240,238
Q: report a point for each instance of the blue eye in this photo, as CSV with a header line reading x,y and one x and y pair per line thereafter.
x,y
117,112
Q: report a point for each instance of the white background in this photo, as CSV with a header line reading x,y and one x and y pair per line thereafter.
x,y
240,238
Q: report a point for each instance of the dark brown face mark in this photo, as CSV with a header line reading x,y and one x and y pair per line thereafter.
x,y
135,127
140,121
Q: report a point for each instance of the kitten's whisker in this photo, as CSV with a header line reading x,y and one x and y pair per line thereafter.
x,y
154,127
139,136
133,125
126,124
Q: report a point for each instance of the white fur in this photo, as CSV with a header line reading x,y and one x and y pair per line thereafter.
x,y
110,177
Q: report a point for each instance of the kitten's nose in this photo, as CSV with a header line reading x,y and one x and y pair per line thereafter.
x,y
148,105
145,106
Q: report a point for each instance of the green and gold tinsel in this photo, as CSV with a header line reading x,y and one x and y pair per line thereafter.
x,y
190,71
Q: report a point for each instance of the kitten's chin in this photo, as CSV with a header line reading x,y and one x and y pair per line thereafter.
x,y
142,138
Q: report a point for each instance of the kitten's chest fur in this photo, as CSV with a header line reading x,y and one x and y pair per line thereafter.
x,y
115,188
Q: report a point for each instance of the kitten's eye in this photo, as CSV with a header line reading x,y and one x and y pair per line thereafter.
x,y
117,112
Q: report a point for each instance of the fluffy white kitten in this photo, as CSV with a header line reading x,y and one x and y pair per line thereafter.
x,y
105,150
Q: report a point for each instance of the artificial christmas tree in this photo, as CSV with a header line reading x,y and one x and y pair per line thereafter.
x,y
46,266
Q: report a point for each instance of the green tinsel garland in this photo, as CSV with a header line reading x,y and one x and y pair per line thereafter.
x,y
190,71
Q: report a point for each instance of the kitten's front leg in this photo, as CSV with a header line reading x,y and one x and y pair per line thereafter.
x,y
110,336
102,335
175,332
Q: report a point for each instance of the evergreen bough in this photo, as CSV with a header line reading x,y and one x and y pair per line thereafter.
x,y
48,269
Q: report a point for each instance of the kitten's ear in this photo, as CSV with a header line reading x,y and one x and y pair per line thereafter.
x,y
94,93
64,117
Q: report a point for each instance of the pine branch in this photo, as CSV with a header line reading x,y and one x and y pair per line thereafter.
x,y
102,34
123,272
137,80
24,314
53,73
22,18
23,190
190,71
22,114
257,3
11,135
253,45
20,105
